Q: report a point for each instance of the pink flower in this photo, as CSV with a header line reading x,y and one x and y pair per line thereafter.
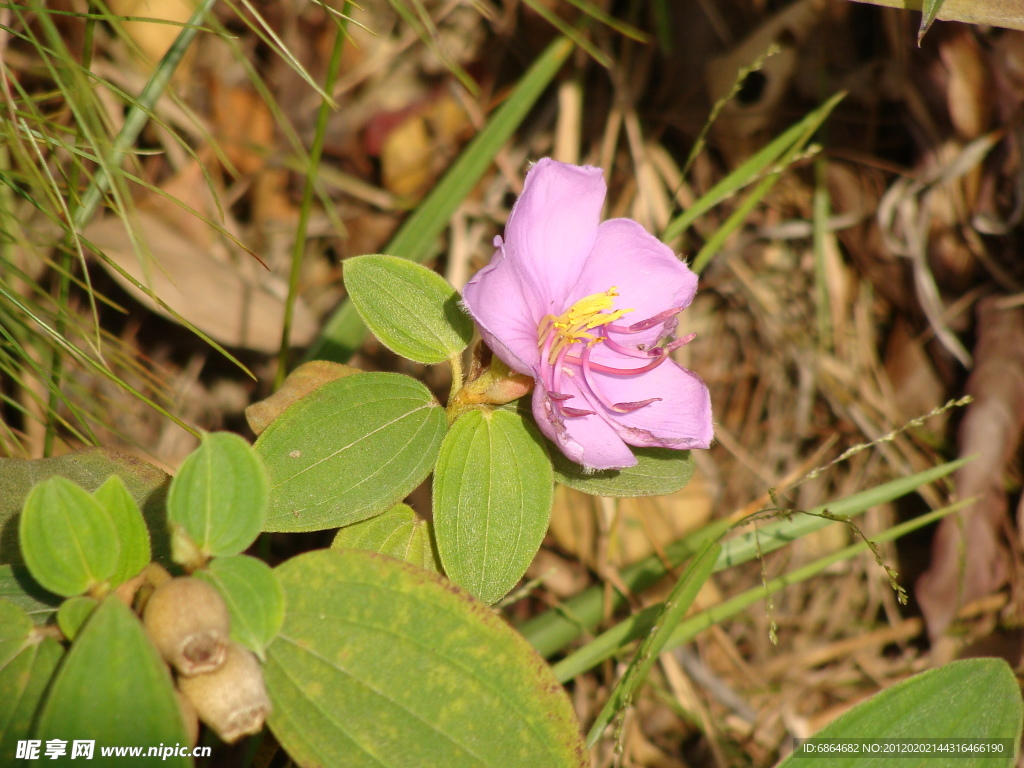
x,y
581,306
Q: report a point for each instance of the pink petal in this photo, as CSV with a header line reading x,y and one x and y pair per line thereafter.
x,y
551,230
506,314
680,419
587,440
649,277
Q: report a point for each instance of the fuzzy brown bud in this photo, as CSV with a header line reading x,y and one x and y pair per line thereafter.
x,y
189,623
233,699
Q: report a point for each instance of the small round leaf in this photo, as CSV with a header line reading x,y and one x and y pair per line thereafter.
x,y
493,492
68,540
254,598
411,309
73,613
132,534
399,533
350,450
219,497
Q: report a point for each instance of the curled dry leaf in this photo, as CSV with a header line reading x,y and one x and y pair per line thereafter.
x,y
300,382
967,556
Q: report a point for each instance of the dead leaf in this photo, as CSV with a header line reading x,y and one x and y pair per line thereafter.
x,y
215,297
305,379
154,38
967,554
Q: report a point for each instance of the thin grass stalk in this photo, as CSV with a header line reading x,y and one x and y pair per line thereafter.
x,y
67,264
637,626
554,629
308,192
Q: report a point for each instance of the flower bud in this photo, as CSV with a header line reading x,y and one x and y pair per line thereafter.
x,y
232,699
189,623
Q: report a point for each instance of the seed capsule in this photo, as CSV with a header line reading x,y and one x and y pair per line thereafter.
x,y
233,699
189,623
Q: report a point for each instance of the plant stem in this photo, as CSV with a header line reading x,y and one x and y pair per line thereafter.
x,y
456,363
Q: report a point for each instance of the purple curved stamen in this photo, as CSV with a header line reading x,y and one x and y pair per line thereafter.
x,y
622,371
588,369
554,369
622,349
680,342
576,411
644,325
588,377
630,407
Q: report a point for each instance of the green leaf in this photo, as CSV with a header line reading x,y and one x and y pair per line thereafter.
x,y
350,450
73,613
24,680
15,626
493,490
113,688
219,496
67,539
254,598
929,10
344,332
18,586
969,699
131,528
89,468
411,309
658,471
398,533
383,664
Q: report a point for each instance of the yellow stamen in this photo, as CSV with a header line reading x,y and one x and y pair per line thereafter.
x,y
573,325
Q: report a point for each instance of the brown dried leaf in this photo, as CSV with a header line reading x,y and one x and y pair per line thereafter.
x,y
300,382
969,89
154,38
967,555
233,307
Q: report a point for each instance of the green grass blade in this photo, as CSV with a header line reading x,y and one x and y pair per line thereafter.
x,y
597,14
753,168
344,332
672,611
138,114
929,10
553,630
611,642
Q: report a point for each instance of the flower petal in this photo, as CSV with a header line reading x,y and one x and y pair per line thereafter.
x,y
680,418
552,228
587,440
506,314
649,277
